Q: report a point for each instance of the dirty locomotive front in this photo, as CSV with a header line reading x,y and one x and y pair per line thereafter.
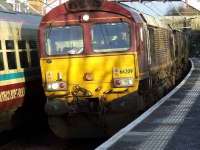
x,y
102,63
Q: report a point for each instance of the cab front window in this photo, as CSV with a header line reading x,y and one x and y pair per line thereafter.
x,y
110,37
64,40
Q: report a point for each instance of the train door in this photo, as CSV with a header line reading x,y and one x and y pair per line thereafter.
x,y
143,53
147,45
148,54
151,54
151,43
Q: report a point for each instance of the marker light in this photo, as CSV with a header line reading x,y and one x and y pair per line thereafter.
x,y
88,77
56,86
123,82
62,85
85,17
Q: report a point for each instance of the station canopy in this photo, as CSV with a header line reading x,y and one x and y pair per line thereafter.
x,y
161,8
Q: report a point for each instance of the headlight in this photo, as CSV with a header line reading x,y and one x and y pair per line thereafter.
x,y
86,17
123,82
56,86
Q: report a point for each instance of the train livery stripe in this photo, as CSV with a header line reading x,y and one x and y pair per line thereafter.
x,y
11,76
17,75
12,81
11,96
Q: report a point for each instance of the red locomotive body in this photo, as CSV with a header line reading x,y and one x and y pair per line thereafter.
x,y
89,73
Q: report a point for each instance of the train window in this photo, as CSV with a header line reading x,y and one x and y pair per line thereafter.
x,y
11,60
1,62
109,37
22,44
9,44
34,59
64,40
32,44
23,59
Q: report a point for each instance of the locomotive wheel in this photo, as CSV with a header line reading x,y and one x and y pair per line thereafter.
x,y
58,126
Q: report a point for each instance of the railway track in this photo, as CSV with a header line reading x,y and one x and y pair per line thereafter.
x,y
44,141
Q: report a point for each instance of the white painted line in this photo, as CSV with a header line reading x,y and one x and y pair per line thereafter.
x,y
130,126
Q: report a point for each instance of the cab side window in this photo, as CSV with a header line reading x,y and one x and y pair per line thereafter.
x,y
23,54
10,52
10,45
1,58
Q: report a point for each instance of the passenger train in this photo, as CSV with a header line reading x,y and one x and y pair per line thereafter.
x,y
102,62
19,66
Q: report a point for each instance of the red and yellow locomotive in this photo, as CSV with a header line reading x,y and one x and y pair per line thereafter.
x,y
102,62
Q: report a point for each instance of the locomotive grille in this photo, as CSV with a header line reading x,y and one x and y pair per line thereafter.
x,y
161,46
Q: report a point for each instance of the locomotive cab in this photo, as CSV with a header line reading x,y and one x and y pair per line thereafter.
x,y
89,54
89,58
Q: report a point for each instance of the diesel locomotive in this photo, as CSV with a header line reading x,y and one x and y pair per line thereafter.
x,y
102,62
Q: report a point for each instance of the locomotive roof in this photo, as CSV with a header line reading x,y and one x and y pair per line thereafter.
x,y
106,6
125,8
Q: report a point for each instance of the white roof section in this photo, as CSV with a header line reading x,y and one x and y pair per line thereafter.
x,y
194,3
153,21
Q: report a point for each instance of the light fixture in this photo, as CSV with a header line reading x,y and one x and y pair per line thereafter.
x,y
123,82
88,77
86,17
56,86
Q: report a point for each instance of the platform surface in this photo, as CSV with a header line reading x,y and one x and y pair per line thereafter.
x,y
174,125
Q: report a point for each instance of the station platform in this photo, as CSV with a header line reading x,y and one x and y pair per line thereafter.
x,y
173,123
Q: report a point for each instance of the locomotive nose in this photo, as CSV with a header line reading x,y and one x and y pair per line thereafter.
x,y
91,76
